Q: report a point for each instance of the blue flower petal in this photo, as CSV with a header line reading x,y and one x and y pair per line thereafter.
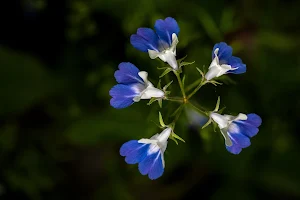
x,y
152,165
120,103
234,148
242,140
138,154
129,146
225,52
254,119
146,164
246,128
249,127
145,39
239,140
165,29
122,96
127,73
236,62
157,169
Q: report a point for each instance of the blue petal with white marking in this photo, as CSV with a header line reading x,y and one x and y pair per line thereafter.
x,y
225,52
123,95
237,63
127,73
152,165
165,29
149,153
240,132
160,44
223,62
145,39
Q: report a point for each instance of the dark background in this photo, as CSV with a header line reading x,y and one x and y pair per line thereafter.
x,y
60,139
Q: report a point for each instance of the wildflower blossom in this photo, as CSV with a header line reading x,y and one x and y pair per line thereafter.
x,y
237,130
161,43
148,153
223,62
133,86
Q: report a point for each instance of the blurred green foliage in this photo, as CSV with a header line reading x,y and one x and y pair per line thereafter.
x,y
60,139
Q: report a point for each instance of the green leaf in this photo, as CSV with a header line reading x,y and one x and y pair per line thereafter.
x,y
181,59
167,93
159,84
217,105
162,68
177,137
159,102
161,121
183,80
221,110
172,138
201,72
165,72
215,83
155,123
186,63
215,126
166,86
207,123
151,101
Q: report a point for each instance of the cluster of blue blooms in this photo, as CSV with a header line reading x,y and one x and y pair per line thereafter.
x,y
133,85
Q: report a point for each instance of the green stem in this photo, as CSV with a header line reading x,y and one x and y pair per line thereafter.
x,y
178,113
191,86
203,82
198,109
175,99
180,85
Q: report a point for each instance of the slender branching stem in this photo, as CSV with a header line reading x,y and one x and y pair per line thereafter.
x,y
203,82
181,86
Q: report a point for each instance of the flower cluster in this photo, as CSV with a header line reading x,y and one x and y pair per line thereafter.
x,y
133,85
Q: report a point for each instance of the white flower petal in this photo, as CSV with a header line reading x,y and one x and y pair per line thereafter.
x,y
158,142
215,69
212,72
136,98
144,76
227,139
169,57
153,149
164,135
154,137
147,141
220,120
214,62
216,53
241,116
163,159
150,92
153,54
174,43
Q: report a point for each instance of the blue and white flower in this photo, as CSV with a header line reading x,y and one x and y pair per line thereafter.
x,y
161,43
237,130
223,62
133,86
148,153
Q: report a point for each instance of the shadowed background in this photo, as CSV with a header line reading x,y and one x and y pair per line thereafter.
x,y
60,139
